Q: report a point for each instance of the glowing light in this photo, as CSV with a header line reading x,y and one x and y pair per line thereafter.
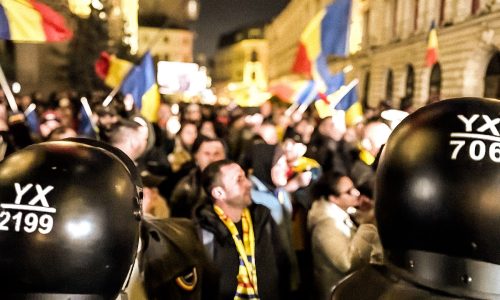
x,y
173,125
175,108
79,229
16,87
97,4
192,9
424,189
81,8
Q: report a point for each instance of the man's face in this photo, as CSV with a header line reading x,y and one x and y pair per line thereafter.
x,y
374,136
278,172
236,186
193,113
164,114
333,129
188,134
349,195
209,152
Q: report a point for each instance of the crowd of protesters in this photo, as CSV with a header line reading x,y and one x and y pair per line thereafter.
x,y
302,184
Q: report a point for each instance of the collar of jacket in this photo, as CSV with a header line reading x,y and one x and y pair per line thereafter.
x,y
324,209
208,220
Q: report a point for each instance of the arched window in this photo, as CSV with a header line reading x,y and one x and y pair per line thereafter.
x,y
366,89
366,28
388,87
407,100
475,6
442,7
254,56
415,16
394,18
492,78
435,84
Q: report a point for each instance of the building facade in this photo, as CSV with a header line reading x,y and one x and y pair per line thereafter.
x,y
236,50
388,43
166,43
240,65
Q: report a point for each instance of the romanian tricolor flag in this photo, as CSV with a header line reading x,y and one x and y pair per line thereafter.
x,y
141,84
326,34
344,99
431,56
31,21
306,94
112,69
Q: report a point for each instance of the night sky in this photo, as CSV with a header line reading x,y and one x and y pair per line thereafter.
x,y
222,16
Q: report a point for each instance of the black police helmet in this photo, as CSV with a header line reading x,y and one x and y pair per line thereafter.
x,y
68,220
438,197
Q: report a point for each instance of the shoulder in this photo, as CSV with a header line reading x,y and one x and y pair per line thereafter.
x,y
261,215
206,219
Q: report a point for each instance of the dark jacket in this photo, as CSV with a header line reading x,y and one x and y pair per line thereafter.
x,y
330,154
271,259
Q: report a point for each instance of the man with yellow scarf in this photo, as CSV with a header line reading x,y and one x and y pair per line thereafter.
x,y
240,237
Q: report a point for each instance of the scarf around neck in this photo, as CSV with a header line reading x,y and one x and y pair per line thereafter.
x,y
247,271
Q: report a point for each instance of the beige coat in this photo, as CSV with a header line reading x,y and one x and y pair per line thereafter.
x,y
338,246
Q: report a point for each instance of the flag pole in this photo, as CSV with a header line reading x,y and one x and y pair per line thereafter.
x,y
8,93
291,109
335,98
30,109
303,107
116,89
88,112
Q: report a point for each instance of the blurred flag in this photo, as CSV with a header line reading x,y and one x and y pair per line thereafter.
x,y
293,92
431,56
283,90
344,99
326,34
31,21
323,108
86,127
352,107
141,84
112,69
306,94
32,118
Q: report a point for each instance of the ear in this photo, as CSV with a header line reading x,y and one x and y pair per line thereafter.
x,y
218,193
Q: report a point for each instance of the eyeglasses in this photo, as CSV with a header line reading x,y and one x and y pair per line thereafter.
x,y
353,191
